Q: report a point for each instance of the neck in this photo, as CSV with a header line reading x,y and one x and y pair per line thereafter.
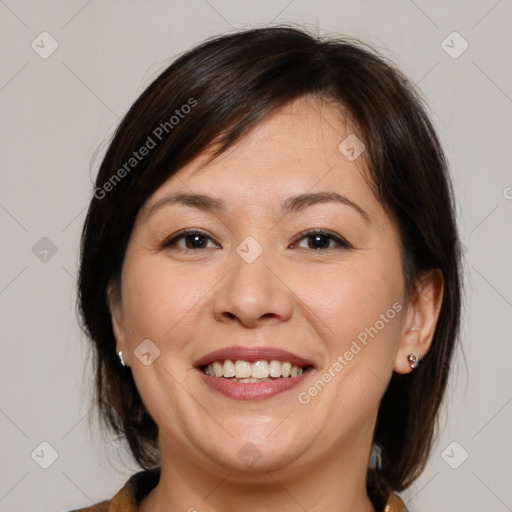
x,y
336,484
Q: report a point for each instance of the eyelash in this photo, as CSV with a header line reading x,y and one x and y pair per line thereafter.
x,y
340,242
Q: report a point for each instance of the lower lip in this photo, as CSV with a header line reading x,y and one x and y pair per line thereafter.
x,y
252,390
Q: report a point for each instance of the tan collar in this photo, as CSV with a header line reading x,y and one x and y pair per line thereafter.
x,y
140,484
394,504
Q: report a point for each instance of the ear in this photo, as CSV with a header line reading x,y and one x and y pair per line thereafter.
x,y
420,319
115,306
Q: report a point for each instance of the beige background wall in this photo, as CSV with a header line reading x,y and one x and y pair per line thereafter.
x,y
56,112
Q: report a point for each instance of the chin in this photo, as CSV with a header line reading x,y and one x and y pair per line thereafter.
x,y
248,456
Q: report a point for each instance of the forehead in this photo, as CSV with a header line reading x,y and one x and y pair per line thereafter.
x,y
298,148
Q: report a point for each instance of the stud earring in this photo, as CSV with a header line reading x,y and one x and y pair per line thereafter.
x,y
121,359
413,360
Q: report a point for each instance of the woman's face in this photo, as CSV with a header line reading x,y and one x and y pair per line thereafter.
x,y
291,259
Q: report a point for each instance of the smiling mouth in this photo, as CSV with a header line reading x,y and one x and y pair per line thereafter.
x,y
253,372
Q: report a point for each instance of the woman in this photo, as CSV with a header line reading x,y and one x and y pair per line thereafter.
x,y
270,280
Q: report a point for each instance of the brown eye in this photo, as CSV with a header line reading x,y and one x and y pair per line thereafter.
x,y
318,240
191,240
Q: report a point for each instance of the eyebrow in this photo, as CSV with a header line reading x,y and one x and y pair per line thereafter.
x,y
291,204
303,201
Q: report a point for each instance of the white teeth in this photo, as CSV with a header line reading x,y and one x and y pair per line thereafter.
x,y
229,369
243,369
285,369
250,379
275,368
217,368
259,371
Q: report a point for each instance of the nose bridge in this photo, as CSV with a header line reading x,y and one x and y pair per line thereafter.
x,y
251,291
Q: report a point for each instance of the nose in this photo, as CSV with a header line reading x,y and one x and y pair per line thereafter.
x,y
252,294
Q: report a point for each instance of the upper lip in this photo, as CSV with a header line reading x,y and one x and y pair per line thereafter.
x,y
252,354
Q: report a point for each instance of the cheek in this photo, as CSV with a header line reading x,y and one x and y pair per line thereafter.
x,y
353,299
156,300
361,306
361,303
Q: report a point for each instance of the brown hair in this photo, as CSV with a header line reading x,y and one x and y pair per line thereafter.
x,y
230,84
